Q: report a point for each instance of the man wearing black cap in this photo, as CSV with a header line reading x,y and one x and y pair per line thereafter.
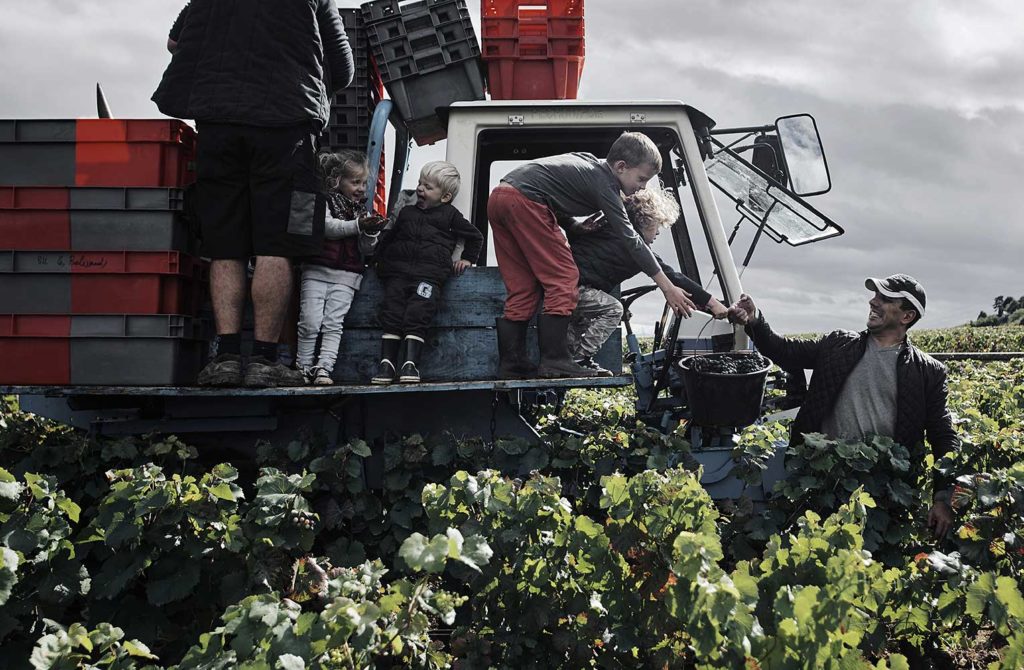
x,y
874,382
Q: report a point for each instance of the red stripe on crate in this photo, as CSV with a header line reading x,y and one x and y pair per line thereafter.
x,y
134,294
146,164
41,230
134,130
34,197
35,325
35,361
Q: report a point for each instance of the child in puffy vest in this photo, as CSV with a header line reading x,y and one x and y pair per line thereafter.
x,y
331,279
414,260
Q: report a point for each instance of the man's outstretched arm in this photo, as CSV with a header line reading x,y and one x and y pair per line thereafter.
x,y
787,353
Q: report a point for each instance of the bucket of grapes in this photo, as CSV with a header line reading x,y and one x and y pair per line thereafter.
x,y
725,389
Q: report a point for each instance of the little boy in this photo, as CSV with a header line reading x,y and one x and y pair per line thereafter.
x,y
414,261
604,264
533,254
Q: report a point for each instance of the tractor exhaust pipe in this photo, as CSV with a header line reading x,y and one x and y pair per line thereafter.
x,y
102,108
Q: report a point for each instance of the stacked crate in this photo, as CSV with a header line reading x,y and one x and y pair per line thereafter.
x,y
534,49
428,57
352,108
99,283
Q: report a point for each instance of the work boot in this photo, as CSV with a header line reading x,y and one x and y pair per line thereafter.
x,y
223,370
554,349
589,363
513,361
388,355
263,373
410,373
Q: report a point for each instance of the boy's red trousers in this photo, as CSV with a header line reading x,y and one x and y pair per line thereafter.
x,y
533,256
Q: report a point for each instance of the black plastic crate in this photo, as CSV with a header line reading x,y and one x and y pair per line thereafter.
x,y
422,39
426,60
352,107
384,10
418,98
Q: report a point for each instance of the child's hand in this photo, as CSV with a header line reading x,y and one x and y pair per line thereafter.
x,y
371,223
591,223
717,309
459,266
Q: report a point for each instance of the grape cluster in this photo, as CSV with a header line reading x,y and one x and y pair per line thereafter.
x,y
302,520
736,363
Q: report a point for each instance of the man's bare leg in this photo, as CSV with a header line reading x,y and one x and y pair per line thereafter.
x,y
227,292
271,294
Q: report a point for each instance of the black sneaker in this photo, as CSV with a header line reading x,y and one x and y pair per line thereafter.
x,y
410,373
385,373
223,370
589,363
261,373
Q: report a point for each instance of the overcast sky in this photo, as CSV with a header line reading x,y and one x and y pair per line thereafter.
x,y
920,105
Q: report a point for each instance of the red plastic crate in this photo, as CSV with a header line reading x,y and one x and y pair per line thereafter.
x,y
133,164
34,197
511,8
35,325
533,53
29,351
135,294
29,360
34,218
135,130
534,79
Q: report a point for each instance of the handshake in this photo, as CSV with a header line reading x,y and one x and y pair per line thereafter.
x,y
743,311
371,223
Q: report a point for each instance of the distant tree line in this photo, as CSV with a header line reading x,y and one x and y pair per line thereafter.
x,y
1008,310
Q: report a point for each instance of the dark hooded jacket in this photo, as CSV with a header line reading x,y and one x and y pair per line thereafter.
x,y
605,262
422,241
921,388
256,62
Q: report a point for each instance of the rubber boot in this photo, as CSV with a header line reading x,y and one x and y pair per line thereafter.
x,y
388,356
554,349
513,361
410,372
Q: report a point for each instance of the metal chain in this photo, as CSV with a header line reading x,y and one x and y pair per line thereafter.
x,y
494,416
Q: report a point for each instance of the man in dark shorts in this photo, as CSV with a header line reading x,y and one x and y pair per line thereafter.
x,y
257,77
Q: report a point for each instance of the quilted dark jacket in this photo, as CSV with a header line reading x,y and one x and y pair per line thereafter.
x,y
256,62
421,243
921,388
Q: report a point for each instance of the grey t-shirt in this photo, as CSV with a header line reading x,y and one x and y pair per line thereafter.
x,y
867,402
579,184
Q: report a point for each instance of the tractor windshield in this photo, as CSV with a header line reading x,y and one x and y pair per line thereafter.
x,y
784,217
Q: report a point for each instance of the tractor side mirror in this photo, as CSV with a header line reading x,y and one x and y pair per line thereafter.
x,y
803,154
